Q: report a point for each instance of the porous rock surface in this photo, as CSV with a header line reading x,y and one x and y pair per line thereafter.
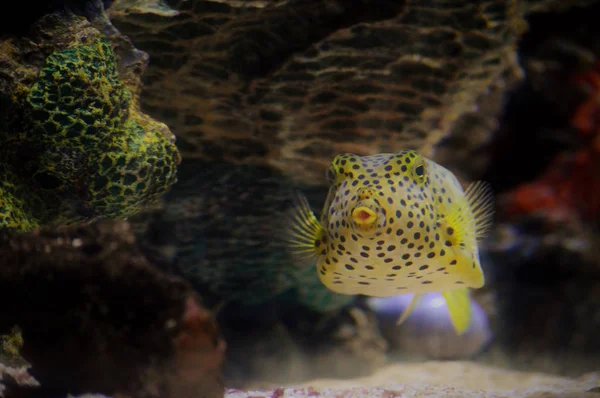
x,y
291,84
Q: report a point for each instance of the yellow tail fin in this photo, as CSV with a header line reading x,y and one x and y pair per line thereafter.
x,y
459,308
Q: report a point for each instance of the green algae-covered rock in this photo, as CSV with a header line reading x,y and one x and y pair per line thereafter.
x,y
15,202
73,145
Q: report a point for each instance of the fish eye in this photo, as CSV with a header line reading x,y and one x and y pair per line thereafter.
x,y
419,170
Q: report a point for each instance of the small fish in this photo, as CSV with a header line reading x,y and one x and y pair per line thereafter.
x,y
396,223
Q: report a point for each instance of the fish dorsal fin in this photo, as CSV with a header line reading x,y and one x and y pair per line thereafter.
x,y
304,234
481,202
459,309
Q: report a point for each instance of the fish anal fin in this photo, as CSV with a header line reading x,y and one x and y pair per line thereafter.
x,y
409,309
459,308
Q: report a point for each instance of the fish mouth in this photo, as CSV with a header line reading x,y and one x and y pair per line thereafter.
x,y
366,215
362,215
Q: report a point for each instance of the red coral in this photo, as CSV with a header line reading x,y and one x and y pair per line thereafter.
x,y
572,181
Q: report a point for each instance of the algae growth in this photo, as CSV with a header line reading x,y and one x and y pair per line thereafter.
x,y
79,149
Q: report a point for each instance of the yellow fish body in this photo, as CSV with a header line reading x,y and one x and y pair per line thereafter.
x,y
393,224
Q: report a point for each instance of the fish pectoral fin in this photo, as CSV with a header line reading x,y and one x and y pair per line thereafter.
x,y
304,235
470,218
409,309
481,203
459,309
466,222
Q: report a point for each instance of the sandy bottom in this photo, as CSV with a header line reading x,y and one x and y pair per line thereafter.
x,y
440,379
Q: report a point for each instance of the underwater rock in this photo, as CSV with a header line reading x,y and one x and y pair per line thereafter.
x,y
74,146
216,228
428,332
156,7
556,5
95,316
13,378
219,228
292,84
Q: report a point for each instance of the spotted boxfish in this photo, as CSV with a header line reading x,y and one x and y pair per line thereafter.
x,y
396,223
